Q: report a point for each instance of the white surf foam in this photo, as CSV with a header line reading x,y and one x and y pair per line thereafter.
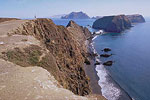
x,y
109,91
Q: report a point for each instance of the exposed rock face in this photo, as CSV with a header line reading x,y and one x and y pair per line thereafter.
x,y
65,56
115,24
7,19
136,18
80,33
76,15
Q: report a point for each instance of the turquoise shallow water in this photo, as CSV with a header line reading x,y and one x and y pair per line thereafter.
x,y
131,50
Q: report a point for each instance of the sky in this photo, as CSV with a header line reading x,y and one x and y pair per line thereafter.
x,y
47,8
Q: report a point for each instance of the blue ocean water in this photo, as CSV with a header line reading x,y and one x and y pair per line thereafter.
x,y
131,50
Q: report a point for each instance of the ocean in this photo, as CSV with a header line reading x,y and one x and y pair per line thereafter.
x,y
131,55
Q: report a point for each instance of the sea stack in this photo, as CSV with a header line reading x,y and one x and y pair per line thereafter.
x,y
136,18
76,15
115,24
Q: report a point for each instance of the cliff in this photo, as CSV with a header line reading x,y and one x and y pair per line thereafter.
x,y
112,23
76,15
136,18
44,57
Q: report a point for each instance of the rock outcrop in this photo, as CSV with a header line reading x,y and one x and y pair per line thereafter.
x,y
76,15
115,24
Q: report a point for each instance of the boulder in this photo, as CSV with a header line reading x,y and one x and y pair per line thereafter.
x,y
106,50
108,63
97,63
115,24
106,55
87,61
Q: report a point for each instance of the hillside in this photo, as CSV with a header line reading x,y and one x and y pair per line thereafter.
x,y
42,60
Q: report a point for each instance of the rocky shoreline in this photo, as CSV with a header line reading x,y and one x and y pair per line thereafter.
x,y
56,50
92,73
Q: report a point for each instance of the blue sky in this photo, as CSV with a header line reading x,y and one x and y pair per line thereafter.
x,y
46,8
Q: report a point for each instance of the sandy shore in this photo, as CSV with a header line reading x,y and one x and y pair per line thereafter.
x,y
90,70
92,74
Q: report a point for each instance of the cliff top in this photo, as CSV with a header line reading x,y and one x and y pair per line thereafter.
x,y
30,64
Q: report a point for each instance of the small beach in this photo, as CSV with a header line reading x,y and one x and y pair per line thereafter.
x,y
100,80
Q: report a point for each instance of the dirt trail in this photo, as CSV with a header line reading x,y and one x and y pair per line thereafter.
x,y
8,42
10,25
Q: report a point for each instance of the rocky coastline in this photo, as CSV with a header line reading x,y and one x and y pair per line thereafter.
x,y
117,24
57,49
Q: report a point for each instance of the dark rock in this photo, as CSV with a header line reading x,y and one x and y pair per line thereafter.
x,y
115,24
76,15
97,63
106,50
95,54
106,55
87,62
108,63
136,18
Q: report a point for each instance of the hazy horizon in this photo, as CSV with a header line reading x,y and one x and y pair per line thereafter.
x,y
47,8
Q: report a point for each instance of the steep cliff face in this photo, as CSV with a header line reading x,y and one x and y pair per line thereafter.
x,y
136,18
63,55
76,15
112,23
81,34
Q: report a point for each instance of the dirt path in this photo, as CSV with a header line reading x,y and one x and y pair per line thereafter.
x,y
10,25
8,42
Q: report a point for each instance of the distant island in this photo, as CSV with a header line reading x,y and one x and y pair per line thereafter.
x,y
96,17
117,23
76,15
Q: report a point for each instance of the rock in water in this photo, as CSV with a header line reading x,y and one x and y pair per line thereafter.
x,y
76,15
106,50
115,24
97,63
108,63
136,18
106,55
